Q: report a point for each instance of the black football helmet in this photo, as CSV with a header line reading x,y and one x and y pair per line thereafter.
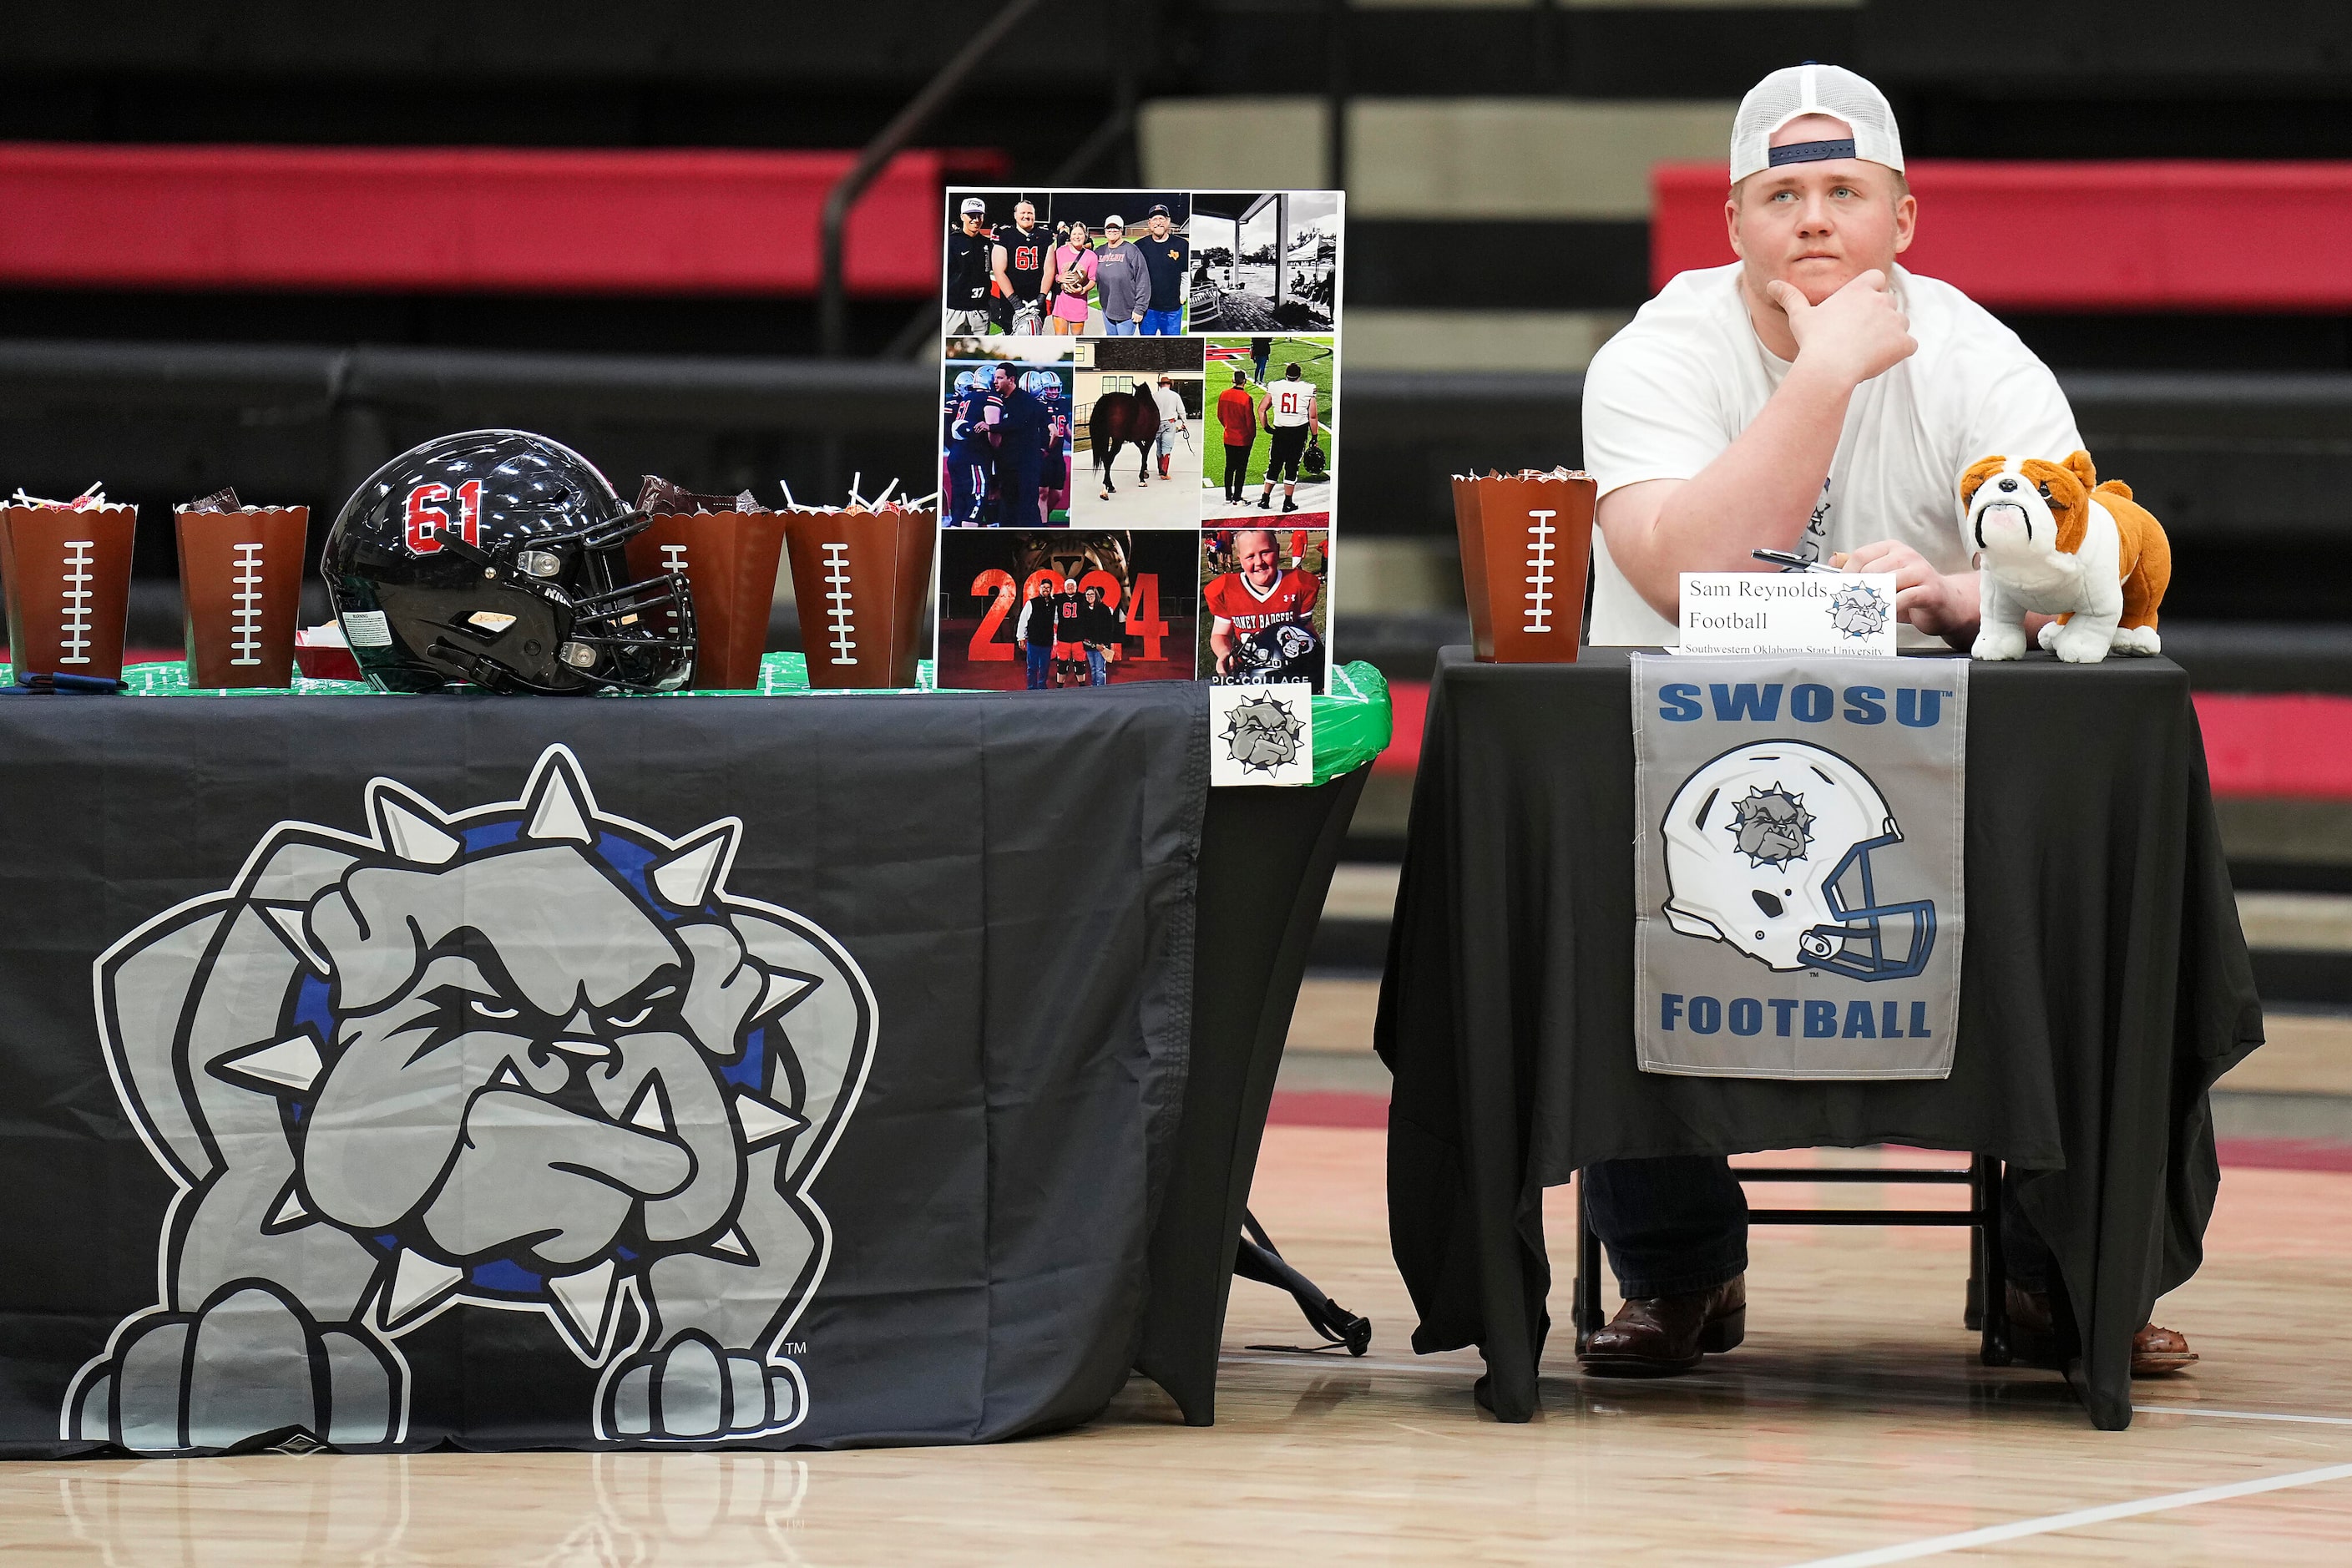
x,y
493,558
1290,651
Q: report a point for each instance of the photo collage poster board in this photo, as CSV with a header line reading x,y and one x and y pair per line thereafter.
x,y
1138,437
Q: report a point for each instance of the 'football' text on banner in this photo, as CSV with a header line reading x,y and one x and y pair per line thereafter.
x,y
1798,897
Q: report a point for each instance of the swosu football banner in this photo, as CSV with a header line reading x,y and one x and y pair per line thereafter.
x,y
1799,901
387,1072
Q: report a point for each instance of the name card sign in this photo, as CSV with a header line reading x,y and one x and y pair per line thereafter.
x,y
1789,612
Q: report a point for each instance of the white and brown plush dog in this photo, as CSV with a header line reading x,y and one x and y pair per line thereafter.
x,y
2051,540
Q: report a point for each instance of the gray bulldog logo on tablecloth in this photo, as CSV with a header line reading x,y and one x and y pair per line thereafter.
x,y
528,1056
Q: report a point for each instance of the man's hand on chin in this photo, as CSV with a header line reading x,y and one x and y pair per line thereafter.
x,y
1942,607
1855,333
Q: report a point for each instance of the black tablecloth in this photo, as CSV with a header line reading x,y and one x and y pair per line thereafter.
x,y
2106,986
1022,1194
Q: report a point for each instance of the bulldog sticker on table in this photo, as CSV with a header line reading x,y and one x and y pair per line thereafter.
x,y
1799,898
1262,734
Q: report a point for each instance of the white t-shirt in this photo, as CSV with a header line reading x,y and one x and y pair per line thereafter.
x,y
1669,393
1171,404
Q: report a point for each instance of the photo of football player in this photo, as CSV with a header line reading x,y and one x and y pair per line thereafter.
x,y
1039,610
1005,440
1020,272
1139,401
1265,261
1279,433
1265,616
971,250
1023,263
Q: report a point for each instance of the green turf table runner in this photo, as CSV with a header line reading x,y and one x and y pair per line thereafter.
x,y
1351,725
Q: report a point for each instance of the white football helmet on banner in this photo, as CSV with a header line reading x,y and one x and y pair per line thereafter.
x,y
1768,849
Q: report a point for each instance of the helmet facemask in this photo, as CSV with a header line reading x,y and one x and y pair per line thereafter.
x,y
612,632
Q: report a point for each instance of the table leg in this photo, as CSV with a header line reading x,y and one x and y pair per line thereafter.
x,y
1992,1272
1584,1298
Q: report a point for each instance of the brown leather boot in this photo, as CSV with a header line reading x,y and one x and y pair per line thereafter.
x,y
2033,1338
1654,1336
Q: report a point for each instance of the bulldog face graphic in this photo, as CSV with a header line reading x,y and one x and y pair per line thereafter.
x,y
531,1057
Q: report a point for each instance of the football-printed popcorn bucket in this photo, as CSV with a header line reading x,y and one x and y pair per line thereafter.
x,y
729,548
1527,540
859,578
241,585
66,575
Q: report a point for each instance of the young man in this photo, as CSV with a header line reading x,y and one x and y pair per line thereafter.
x,y
1020,262
1171,419
970,250
1069,634
1054,476
971,456
1122,281
1263,624
1237,416
1289,418
1164,255
1035,632
1812,396
1018,422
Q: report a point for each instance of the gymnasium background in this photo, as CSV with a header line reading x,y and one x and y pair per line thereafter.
x,y
245,244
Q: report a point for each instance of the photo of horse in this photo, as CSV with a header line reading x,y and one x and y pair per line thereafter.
x,y
1137,429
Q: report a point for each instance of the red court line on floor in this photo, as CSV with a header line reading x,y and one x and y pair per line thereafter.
x,y
558,220
1328,1108
2140,234
2257,745
2286,1154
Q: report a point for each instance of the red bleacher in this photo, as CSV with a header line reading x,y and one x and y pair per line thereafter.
x,y
2123,236
2257,745
464,219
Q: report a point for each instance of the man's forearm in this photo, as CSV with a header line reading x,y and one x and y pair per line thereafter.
x,y
1759,493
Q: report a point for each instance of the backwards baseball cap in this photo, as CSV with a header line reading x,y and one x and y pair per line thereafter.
x,y
1795,91
973,206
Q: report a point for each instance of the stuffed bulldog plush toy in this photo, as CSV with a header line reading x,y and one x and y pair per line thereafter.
x,y
2054,541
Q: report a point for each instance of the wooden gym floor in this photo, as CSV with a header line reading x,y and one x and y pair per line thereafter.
x,y
1854,1419
1854,1427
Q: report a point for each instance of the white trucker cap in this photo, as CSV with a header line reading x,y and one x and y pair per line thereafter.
x,y
1810,89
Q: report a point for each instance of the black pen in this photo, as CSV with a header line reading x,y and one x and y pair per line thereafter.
x,y
1789,562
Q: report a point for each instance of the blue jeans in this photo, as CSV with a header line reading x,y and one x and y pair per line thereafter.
x,y
1122,329
1672,1225
1164,323
1098,668
1041,663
